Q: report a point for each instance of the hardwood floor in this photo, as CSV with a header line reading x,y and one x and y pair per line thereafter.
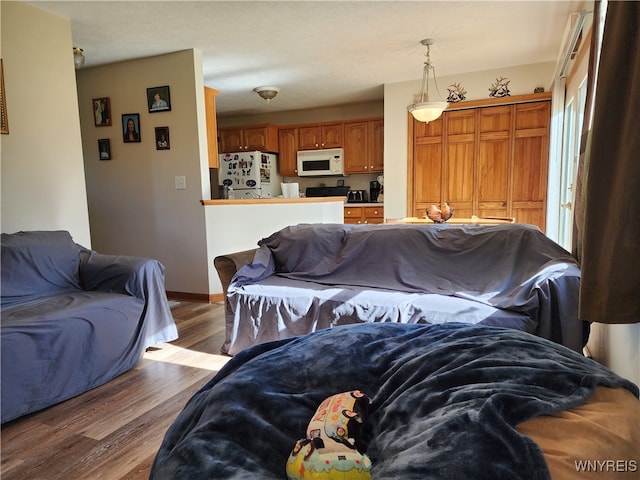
x,y
114,431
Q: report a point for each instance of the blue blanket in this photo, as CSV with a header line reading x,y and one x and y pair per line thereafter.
x,y
310,276
446,399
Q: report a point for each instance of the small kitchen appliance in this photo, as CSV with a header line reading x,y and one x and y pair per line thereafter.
x,y
374,190
357,196
316,163
326,191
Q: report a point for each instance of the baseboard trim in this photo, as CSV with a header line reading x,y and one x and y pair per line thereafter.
x,y
196,297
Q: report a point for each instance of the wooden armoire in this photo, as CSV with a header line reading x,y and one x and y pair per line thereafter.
x,y
487,158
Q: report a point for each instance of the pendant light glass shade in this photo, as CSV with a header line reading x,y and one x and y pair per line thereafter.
x,y
424,110
427,111
268,93
78,57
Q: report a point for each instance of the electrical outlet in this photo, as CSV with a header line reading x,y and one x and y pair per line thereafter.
x,y
180,182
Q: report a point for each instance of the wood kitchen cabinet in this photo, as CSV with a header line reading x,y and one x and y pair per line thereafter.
x,y
249,138
531,163
212,129
362,140
360,215
376,140
364,146
312,137
485,160
288,152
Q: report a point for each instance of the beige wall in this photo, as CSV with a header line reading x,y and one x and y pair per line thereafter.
x,y
134,207
292,117
42,172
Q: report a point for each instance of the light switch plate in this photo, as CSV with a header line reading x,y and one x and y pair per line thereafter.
x,y
180,182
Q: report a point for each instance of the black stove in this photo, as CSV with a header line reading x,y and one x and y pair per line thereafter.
x,y
327,191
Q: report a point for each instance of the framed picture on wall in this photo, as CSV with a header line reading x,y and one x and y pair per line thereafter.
x,y
102,112
131,127
158,99
4,122
162,138
104,148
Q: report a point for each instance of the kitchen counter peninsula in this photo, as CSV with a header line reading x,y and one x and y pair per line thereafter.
x,y
239,224
272,200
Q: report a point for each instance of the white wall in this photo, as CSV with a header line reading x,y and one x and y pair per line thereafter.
x,y
134,207
397,96
242,226
42,171
617,347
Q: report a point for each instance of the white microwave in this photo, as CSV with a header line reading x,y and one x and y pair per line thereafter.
x,y
320,162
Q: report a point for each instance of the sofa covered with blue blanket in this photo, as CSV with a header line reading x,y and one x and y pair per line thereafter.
x,y
308,277
73,319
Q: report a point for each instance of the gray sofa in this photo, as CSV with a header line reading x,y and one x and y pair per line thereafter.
x,y
309,277
73,319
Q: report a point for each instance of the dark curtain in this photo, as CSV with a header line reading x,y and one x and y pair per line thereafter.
x,y
609,218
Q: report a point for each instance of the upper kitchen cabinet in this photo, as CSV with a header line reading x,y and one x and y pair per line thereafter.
x,y
312,137
212,129
255,137
364,146
487,158
376,134
288,152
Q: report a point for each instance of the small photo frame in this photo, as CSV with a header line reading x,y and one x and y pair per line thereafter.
x,y
162,138
102,111
131,127
104,149
159,99
4,121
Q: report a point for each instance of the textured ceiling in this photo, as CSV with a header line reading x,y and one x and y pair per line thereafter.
x,y
323,53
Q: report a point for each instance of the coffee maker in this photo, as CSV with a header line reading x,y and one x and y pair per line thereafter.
x,y
374,190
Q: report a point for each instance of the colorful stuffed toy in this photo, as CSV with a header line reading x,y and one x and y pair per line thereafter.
x,y
333,449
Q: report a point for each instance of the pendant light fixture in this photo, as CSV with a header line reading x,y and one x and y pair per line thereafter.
x,y
424,110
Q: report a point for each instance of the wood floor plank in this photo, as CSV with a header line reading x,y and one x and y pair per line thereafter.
x,y
114,431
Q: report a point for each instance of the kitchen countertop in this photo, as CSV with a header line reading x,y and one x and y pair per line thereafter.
x,y
273,200
458,221
369,204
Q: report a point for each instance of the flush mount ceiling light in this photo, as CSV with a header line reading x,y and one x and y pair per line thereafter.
x,y
267,92
424,110
78,56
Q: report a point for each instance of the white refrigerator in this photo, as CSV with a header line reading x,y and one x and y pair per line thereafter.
x,y
250,174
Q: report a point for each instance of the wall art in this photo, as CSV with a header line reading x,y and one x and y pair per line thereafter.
x,y
131,127
158,99
500,88
102,112
4,121
457,93
162,138
104,148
